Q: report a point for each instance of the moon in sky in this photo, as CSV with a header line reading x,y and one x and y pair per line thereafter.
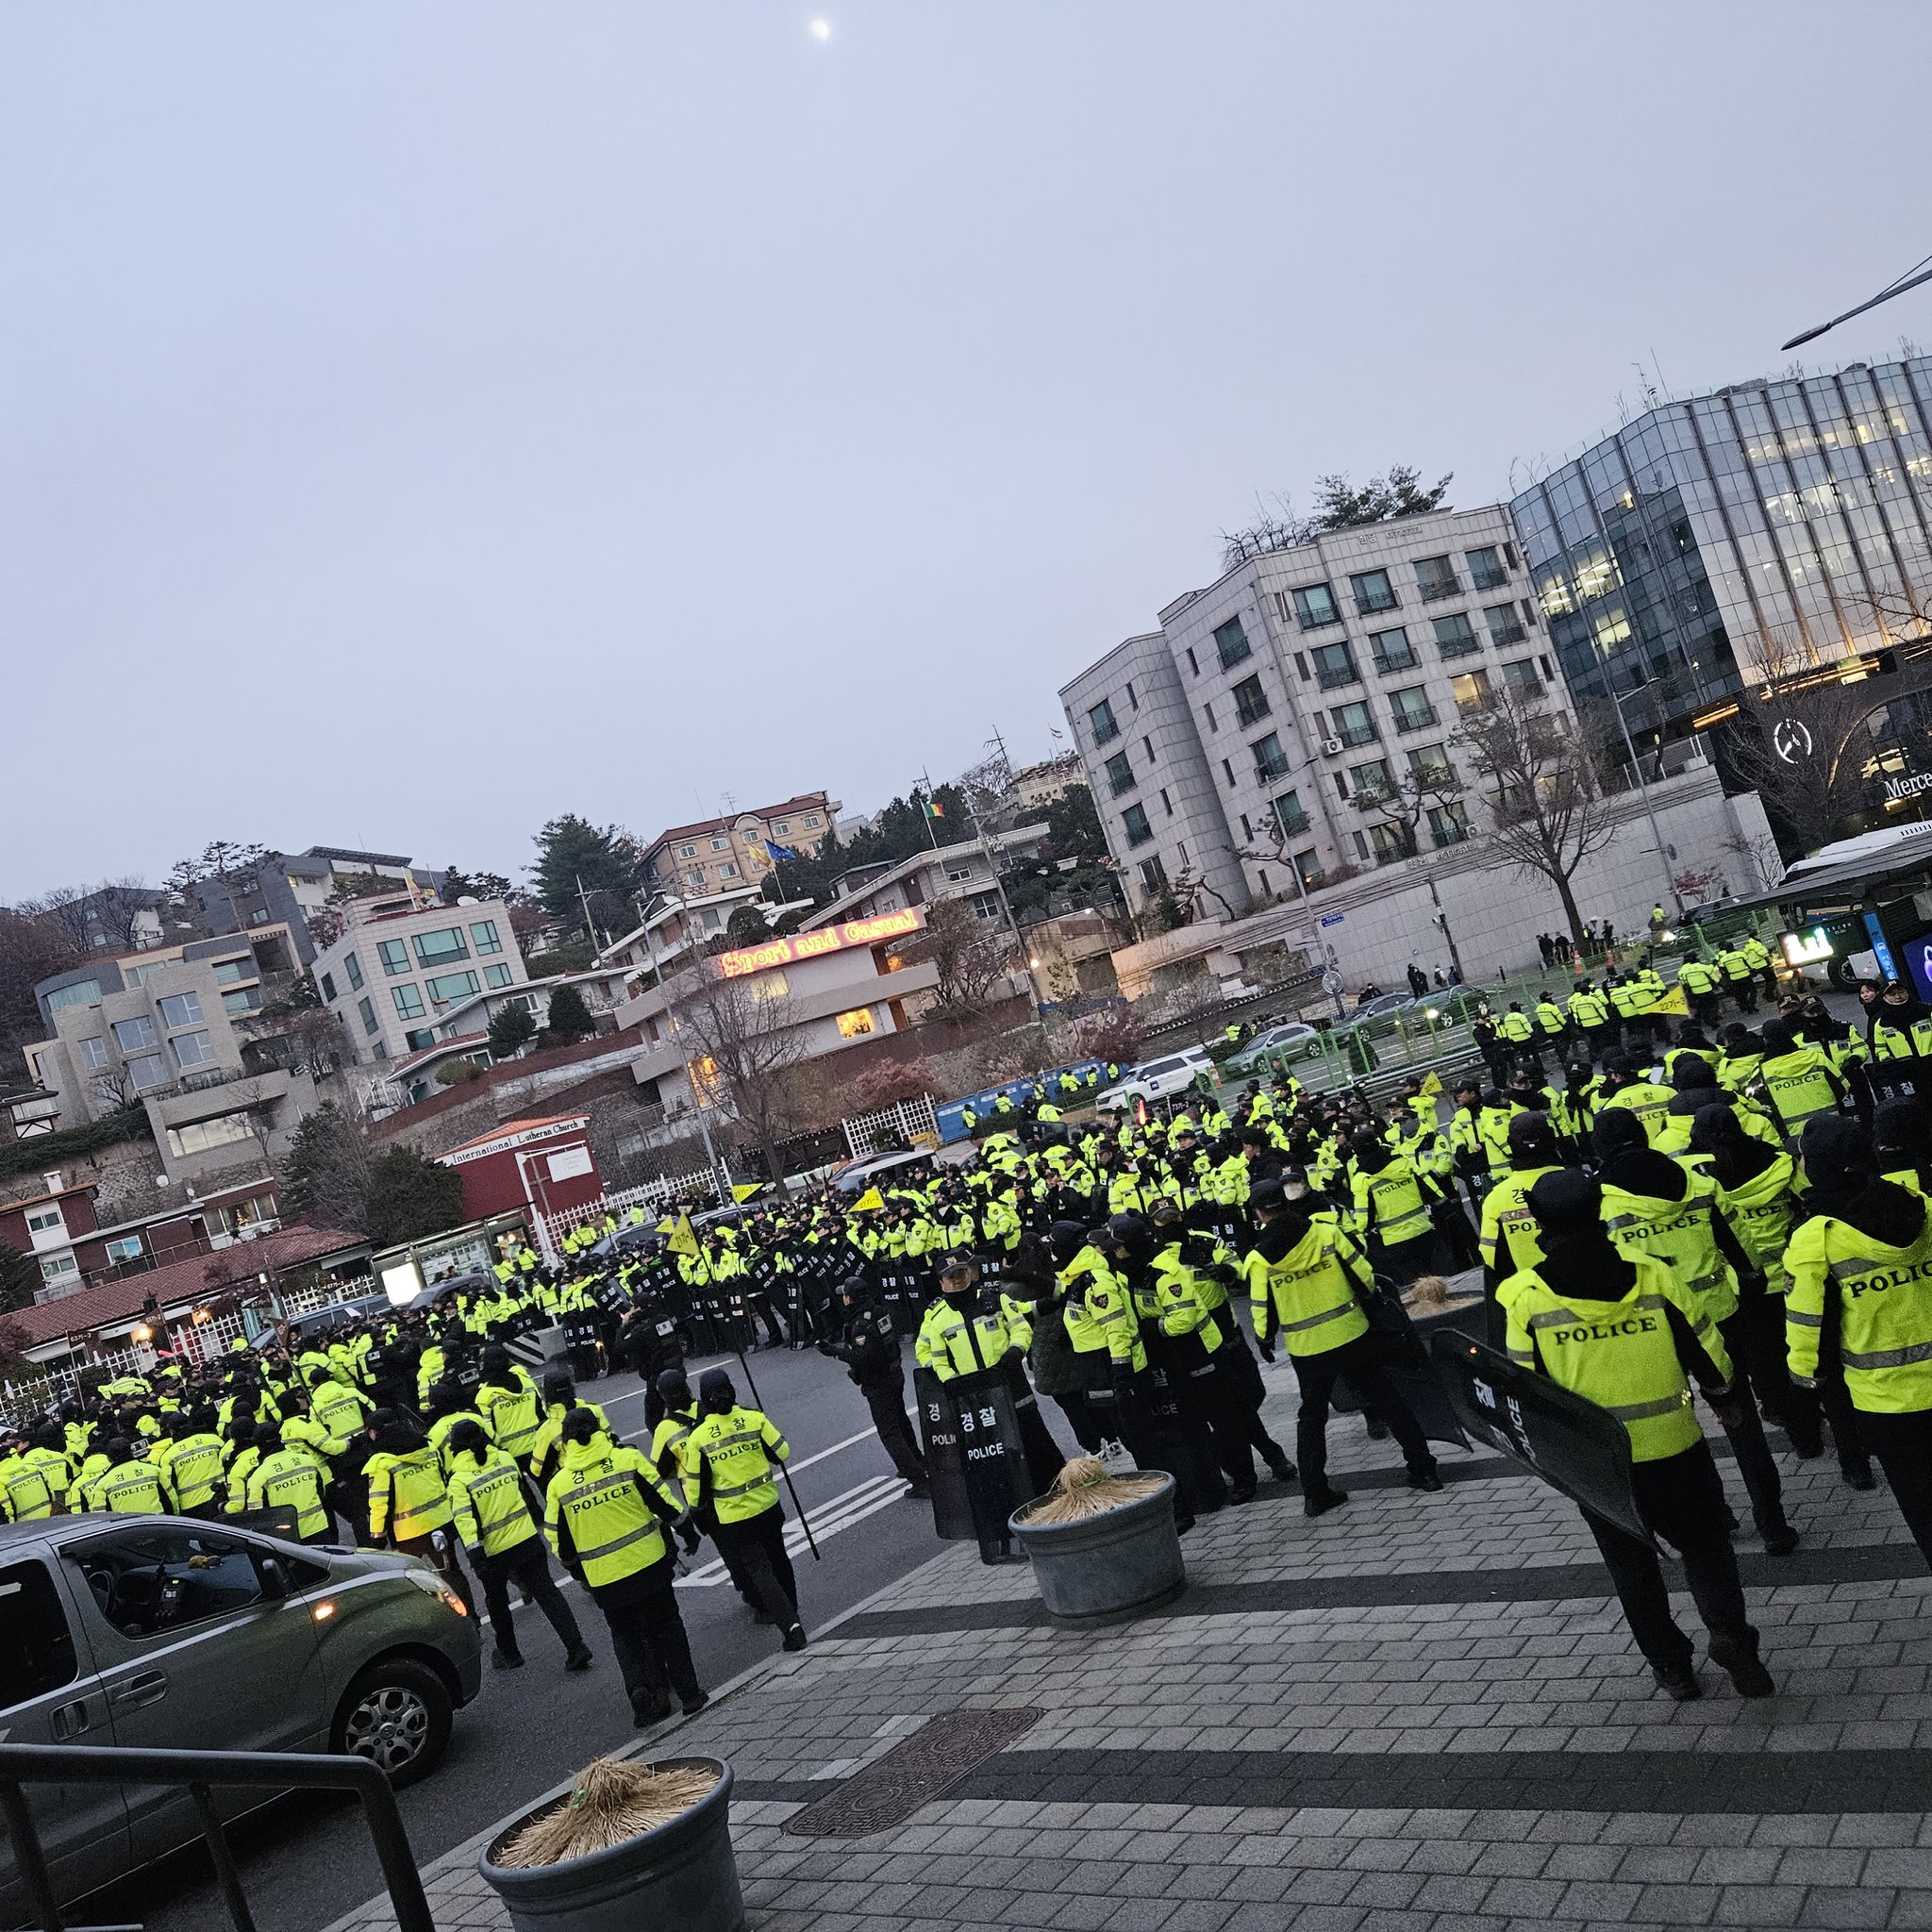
x,y
821,29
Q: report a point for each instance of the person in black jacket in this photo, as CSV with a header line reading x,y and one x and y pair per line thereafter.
x,y
865,1343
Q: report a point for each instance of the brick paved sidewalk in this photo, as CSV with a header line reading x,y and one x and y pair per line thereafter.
x,y
1418,1714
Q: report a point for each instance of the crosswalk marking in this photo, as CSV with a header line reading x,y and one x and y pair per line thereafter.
x,y
827,1519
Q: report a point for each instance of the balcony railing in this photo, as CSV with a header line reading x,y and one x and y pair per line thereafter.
x,y
1527,690
1251,714
1293,825
1489,579
1331,677
1453,834
1450,586
1105,734
1359,734
1508,634
1416,721
1460,647
1124,783
1389,666
1268,770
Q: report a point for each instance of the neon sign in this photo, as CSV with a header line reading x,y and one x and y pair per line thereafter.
x,y
1806,949
813,945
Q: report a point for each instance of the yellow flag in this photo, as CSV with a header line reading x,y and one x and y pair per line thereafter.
x,y
871,1198
1432,1085
1673,1002
665,1225
683,1241
743,1191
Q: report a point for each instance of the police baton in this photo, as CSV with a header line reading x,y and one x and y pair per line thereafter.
x,y
804,1520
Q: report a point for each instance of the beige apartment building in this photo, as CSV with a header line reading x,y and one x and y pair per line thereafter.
x,y
722,854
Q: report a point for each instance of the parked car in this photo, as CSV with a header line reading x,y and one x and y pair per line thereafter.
x,y
1380,1008
1290,1037
1155,1079
882,1169
159,1633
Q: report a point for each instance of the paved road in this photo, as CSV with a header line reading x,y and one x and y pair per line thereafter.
x,y
306,1861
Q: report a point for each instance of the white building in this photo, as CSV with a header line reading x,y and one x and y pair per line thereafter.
x,y
391,976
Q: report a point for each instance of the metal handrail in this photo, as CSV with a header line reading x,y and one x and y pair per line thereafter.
x,y
197,1772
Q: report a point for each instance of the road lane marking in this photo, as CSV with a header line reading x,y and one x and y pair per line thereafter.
x,y
865,1499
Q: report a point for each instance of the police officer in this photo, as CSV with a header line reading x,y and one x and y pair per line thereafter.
x,y
491,1511
287,1477
606,1513
508,1404
866,1345
728,1461
1306,1281
1622,1333
408,1503
128,1485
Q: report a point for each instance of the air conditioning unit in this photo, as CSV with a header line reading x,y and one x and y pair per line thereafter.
x,y
1331,745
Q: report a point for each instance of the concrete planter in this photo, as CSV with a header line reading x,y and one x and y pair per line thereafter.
x,y
1106,1568
682,1875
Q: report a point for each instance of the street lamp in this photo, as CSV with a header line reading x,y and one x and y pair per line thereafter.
x,y
1912,279
1642,783
720,1181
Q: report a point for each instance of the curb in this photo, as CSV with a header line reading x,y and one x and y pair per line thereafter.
x,y
464,1855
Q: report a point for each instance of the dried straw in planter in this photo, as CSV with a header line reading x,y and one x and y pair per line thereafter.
x,y
1429,1294
1086,1487
614,1799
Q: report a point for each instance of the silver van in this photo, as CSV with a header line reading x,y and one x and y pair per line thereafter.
x,y
163,1633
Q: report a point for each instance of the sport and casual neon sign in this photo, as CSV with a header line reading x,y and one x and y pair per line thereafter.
x,y
812,946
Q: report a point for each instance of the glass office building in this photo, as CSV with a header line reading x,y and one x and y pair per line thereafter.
x,y
1727,541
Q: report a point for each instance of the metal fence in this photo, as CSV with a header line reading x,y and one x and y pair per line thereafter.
x,y
655,1192
905,1124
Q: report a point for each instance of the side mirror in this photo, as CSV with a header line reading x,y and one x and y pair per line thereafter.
x,y
275,1579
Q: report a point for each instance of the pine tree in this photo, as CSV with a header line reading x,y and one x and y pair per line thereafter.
x,y
511,1029
411,1196
570,1019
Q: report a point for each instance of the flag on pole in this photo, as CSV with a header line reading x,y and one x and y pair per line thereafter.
x,y
743,1191
931,807
683,1241
778,854
1432,1085
870,1199
1673,1002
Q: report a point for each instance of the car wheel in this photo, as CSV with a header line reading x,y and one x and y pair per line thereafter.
x,y
397,1715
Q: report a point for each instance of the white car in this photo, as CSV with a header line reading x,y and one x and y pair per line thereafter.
x,y
1155,1079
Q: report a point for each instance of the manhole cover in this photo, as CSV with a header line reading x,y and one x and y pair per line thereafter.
x,y
891,1789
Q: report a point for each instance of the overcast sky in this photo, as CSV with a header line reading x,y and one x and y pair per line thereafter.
x,y
424,419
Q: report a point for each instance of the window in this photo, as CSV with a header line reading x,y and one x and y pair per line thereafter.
x,y
687,852
985,904
1153,876
1521,677
696,876
420,1039
720,844
1372,591
353,967
727,868
958,874
1448,823
199,1137
368,1012
1207,712
244,999
34,1637
483,936
60,1271
1471,690
1147,749
439,947
1370,781
1334,665
1429,764
148,1070
1131,698
43,1220
409,1000
448,987
1353,725
180,1009
1101,719
228,970
125,1249
496,973
1453,636
328,985
1120,773
1504,627
137,976
131,1035
193,1049
93,1053
1250,702
1290,818
811,822
1435,577
83,993
855,1024
1391,841
1392,650
395,955
1315,605
1412,709
1167,804
1486,569
1231,642
1193,662
152,1582
1270,762
1135,820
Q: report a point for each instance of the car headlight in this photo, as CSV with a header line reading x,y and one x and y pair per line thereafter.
x,y
431,1582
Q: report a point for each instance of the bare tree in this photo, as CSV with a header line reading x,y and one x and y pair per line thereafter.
x,y
1399,804
971,959
1544,780
224,863
741,1034
115,907
1758,857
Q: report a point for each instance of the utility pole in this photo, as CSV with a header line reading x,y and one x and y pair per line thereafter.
x,y
1442,921
1643,785
720,1179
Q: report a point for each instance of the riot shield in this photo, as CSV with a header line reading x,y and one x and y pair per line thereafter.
x,y
1572,1444
975,1462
